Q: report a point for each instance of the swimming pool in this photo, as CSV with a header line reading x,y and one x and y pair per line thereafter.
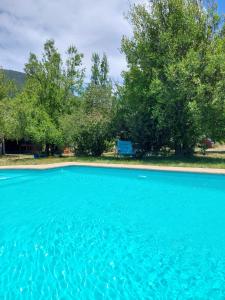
x,y
98,233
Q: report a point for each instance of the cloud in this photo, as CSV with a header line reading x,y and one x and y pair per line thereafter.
x,y
90,25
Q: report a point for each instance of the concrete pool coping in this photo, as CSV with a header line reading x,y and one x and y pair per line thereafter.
x,y
118,166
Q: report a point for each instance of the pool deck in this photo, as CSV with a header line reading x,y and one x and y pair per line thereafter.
x,y
118,166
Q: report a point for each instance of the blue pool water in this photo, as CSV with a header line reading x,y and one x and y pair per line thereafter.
x,y
92,233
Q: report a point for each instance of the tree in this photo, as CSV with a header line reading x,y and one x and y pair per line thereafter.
x,y
7,87
165,82
33,123
7,90
104,71
98,99
95,73
54,87
86,133
100,70
87,129
211,97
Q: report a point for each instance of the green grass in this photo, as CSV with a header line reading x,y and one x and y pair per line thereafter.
x,y
212,160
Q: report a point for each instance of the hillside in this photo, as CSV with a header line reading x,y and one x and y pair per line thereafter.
x,y
18,77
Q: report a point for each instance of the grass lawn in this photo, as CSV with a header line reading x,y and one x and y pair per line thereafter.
x,y
211,160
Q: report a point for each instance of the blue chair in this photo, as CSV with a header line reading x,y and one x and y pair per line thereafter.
x,y
124,148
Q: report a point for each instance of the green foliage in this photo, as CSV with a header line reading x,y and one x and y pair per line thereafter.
x,y
173,86
34,123
17,77
87,129
86,133
211,96
52,88
100,70
172,96
7,87
95,73
98,99
53,85
51,112
7,114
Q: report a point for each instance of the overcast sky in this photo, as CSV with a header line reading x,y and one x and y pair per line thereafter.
x,y
91,25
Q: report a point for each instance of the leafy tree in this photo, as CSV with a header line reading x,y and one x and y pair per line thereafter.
x,y
7,90
100,70
5,122
98,99
95,73
32,122
54,87
211,97
86,133
104,71
87,129
98,95
7,87
166,80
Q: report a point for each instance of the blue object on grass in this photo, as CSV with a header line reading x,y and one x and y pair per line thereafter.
x,y
125,148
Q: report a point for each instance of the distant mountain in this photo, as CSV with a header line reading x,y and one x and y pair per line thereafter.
x,y
16,76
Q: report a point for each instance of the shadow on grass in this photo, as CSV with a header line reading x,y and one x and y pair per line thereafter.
x,y
197,161
172,160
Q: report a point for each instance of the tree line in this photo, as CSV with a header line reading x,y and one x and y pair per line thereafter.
x,y
172,95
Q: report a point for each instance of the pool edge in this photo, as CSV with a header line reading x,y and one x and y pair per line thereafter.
x,y
117,166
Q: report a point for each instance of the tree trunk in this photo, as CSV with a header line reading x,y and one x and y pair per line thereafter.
x,y
2,148
47,149
53,148
178,149
181,149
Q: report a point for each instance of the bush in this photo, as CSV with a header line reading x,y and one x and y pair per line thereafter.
x,y
87,134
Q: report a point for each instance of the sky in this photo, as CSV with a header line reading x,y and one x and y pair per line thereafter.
x,y
90,25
